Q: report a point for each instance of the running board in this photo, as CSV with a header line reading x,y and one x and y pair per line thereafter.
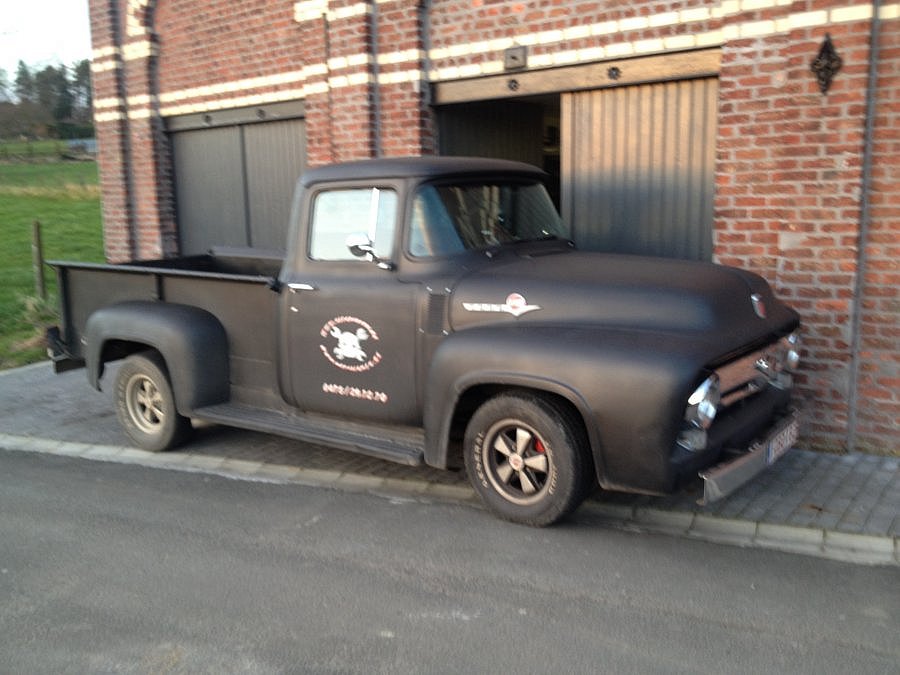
x,y
404,445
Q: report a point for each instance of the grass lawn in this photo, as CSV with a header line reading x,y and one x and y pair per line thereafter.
x,y
65,198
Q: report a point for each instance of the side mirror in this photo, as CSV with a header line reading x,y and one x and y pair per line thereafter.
x,y
362,247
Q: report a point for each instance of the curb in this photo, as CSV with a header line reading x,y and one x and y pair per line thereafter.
x,y
821,543
818,542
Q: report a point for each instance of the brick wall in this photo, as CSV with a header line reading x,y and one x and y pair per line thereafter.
x,y
787,198
879,354
788,205
113,155
789,159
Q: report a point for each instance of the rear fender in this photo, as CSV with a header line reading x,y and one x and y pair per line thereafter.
x,y
192,342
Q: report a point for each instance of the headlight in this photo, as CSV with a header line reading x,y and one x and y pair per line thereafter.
x,y
791,345
703,403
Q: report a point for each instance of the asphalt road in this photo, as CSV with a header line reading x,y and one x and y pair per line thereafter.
x,y
125,569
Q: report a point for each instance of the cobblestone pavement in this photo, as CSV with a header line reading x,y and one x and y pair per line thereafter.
x,y
844,507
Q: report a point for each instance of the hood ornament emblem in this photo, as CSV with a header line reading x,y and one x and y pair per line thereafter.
x,y
515,304
759,305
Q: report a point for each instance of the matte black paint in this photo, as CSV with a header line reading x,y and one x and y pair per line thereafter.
x,y
191,341
623,340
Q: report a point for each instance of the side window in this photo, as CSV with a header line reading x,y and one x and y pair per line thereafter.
x,y
338,214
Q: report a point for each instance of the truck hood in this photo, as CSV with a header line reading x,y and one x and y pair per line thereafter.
x,y
731,308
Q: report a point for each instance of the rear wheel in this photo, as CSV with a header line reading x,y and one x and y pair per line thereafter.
x,y
527,458
145,404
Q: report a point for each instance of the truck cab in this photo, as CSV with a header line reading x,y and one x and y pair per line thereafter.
x,y
375,252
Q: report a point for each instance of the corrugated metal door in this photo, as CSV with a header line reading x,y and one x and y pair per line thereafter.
x,y
209,189
275,155
638,168
235,178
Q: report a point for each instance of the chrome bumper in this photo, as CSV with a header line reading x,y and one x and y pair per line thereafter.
x,y
723,479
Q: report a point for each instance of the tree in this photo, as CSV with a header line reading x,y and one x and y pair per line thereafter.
x,y
83,102
55,100
24,83
53,93
62,110
5,87
45,88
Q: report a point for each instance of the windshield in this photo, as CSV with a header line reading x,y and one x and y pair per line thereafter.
x,y
455,217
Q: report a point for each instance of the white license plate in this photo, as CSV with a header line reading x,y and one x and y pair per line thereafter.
x,y
782,441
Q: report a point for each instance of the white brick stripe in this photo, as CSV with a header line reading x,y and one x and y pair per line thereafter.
x,y
353,61
113,102
113,116
291,77
103,66
316,9
139,50
240,93
105,52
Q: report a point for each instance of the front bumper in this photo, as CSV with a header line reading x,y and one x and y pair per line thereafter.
x,y
723,479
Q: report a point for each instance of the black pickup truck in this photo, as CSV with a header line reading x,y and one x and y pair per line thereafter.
x,y
433,310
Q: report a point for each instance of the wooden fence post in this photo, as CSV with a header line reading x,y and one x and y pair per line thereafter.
x,y
37,260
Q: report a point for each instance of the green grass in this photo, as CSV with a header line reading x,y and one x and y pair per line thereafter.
x,y
65,198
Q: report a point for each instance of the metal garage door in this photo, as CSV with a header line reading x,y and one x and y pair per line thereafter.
x,y
235,173
638,167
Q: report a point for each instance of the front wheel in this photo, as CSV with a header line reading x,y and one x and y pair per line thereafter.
x,y
527,458
145,404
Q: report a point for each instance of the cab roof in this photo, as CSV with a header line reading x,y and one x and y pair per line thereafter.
x,y
416,167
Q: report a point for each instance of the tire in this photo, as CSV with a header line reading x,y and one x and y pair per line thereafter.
x,y
145,404
527,459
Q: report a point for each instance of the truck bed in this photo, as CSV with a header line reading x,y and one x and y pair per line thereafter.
x,y
231,284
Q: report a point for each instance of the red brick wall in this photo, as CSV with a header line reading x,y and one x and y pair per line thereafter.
x,y
788,205
112,136
879,381
787,198
406,123
789,167
222,41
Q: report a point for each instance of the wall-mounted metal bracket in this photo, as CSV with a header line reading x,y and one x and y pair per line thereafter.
x,y
515,58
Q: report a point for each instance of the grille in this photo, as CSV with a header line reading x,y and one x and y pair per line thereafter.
x,y
749,374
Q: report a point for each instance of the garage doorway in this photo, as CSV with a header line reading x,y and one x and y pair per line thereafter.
x,y
524,129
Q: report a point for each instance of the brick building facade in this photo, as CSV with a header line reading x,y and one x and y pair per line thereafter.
x,y
804,178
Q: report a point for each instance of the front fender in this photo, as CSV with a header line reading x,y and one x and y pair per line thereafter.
x,y
192,342
630,388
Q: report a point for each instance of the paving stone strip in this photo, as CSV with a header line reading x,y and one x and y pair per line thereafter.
x,y
839,507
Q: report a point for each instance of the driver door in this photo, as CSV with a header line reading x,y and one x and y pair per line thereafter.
x,y
350,322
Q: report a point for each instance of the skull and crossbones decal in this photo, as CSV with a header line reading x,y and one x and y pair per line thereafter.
x,y
343,338
348,346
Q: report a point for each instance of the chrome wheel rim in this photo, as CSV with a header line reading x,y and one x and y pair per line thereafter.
x,y
517,462
145,404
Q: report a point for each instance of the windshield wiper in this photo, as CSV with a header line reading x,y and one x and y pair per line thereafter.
x,y
492,251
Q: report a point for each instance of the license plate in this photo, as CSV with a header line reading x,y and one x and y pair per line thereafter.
x,y
782,441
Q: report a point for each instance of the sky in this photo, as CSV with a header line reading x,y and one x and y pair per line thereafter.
x,y
43,33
